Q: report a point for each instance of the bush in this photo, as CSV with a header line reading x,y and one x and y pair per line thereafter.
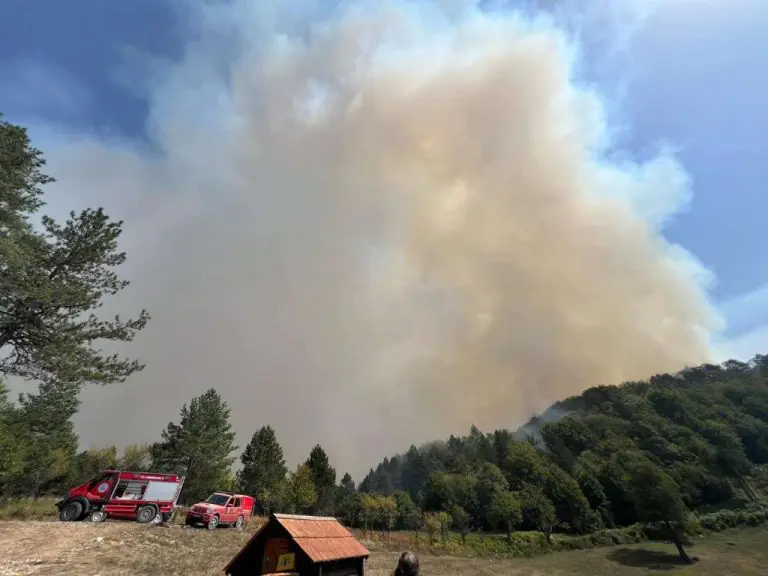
x,y
527,544
28,508
725,519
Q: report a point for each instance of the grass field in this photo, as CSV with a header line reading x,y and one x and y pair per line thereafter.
x,y
45,547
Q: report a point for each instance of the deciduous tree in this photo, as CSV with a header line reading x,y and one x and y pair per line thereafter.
x,y
302,493
538,510
657,499
135,458
506,513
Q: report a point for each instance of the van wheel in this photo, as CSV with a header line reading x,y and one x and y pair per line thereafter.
x,y
71,511
213,523
145,514
239,522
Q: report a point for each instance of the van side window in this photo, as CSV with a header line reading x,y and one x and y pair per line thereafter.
x,y
237,503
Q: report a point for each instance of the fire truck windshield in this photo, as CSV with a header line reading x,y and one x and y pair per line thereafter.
x,y
218,499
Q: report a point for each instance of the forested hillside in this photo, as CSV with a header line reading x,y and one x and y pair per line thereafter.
x,y
698,437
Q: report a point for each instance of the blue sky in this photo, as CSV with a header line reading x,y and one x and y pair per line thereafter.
x,y
690,74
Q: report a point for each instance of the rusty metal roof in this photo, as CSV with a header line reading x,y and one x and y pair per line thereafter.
x,y
321,538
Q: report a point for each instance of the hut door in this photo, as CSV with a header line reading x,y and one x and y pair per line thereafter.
x,y
278,556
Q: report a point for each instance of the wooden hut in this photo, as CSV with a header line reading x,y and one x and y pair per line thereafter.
x,y
301,546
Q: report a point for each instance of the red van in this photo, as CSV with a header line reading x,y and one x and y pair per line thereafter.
x,y
219,509
140,496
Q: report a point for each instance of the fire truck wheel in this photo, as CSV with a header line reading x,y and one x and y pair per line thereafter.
x,y
98,516
239,522
213,523
71,511
146,513
158,519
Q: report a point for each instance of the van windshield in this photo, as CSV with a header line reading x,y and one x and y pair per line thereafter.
x,y
218,499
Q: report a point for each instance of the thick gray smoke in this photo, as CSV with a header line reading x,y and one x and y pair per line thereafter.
x,y
382,228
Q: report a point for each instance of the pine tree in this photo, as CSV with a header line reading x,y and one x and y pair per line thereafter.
x,y
44,424
347,483
12,449
323,475
53,279
324,478
199,446
263,469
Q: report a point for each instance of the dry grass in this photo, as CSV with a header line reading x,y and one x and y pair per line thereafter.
x,y
28,508
117,548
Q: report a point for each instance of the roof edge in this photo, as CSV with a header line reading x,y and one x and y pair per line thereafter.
x,y
245,546
304,517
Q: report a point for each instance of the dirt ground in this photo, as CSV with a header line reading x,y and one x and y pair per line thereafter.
x,y
127,548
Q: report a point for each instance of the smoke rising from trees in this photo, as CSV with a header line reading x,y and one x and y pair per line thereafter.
x,y
382,228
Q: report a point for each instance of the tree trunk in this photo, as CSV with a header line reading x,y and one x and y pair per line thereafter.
x,y
677,541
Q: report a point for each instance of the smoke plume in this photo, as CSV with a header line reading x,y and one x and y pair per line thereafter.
x,y
382,223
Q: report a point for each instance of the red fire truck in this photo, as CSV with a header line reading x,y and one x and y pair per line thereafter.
x,y
140,496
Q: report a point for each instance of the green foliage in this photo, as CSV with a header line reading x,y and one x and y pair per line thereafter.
x,y
656,496
460,521
377,511
54,279
264,469
347,483
406,509
538,511
93,462
42,429
490,483
301,492
706,428
324,479
12,451
657,499
199,446
136,458
506,512
437,523
323,474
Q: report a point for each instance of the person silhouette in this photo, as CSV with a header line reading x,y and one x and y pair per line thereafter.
x,y
407,565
